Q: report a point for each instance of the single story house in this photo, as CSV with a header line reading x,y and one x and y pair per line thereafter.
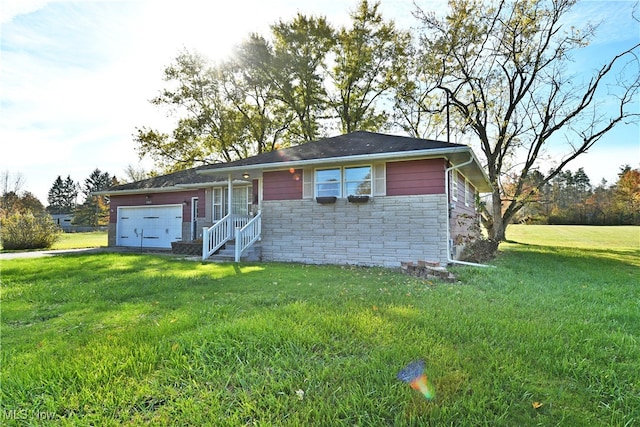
x,y
362,198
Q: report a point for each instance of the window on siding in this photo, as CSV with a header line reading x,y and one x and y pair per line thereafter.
x,y
472,196
349,181
328,183
241,202
357,181
219,205
454,185
467,197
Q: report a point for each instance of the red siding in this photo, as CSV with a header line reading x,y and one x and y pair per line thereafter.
x,y
282,185
415,177
159,199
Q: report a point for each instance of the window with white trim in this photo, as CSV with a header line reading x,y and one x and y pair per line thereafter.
x,y
342,182
454,185
241,201
357,181
219,198
466,192
328,183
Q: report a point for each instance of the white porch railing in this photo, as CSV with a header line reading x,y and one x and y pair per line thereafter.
x,y
215,236
248,234
224,230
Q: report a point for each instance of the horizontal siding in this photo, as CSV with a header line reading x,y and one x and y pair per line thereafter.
x,y
159,199
415,177
282,185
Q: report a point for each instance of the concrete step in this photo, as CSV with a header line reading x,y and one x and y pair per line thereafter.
x,y
228,253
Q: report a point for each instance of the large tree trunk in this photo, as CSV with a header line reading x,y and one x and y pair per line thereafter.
x,y
497,226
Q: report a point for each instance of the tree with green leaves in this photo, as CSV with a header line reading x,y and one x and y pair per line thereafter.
x,y
297,68
252,91
369,57
207,128
627,195
95,209
23,201
24,223
503,67
63,196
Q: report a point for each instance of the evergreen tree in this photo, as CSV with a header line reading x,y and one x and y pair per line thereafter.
x,y
97,181
63,195
95,209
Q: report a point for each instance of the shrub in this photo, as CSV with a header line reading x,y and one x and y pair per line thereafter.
x,y
480,251
23,230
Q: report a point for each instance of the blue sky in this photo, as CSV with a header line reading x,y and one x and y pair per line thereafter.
x,y
76,77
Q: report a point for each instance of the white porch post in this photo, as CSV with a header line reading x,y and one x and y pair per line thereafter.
x,y
229,195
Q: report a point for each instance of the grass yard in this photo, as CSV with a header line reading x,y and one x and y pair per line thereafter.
x,y
91,239
551,336
611,238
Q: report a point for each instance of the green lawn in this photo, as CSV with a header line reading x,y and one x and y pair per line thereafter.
x,y
91,239
81,240
112,339
577,236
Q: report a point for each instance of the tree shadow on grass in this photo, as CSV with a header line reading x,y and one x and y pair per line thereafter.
x,y
626,256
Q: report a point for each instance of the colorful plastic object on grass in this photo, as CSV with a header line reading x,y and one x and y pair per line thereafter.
x,y
413,374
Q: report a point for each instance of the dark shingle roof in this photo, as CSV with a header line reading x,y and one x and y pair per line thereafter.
x,y
188,176
343,146
352,144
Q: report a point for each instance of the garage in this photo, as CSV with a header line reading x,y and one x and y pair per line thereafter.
x,y
149,226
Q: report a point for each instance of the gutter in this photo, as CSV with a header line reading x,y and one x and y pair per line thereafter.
x,y
171,189
446,188
433,153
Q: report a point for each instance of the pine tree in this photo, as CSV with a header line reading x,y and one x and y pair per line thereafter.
x,y
95,209
63,195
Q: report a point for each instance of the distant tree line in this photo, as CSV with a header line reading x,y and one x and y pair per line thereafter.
x,y
570,198
94,210
24,223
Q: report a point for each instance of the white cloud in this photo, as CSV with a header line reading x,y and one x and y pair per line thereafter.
x,y
9,9
76,77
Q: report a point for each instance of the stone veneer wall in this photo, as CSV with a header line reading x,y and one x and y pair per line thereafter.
x,y
385,231
111,234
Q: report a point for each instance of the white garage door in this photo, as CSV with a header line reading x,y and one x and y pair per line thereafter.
x,y
149,226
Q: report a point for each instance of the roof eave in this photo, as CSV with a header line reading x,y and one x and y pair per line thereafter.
x,y
397,155
171,189
138,191
438,152
486,188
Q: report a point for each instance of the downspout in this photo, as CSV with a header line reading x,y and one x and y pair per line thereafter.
x,y
450,260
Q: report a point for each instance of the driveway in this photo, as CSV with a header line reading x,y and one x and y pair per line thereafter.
x,y
38,254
